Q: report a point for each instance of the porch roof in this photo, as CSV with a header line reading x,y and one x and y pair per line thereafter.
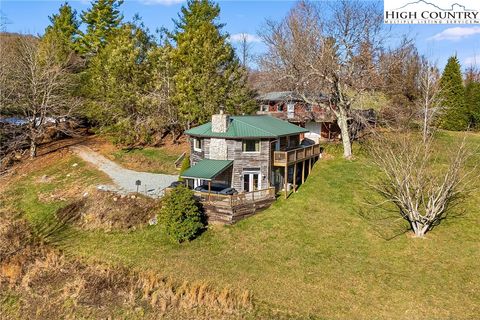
x,y
207,169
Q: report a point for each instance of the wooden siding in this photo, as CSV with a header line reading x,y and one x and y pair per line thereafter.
x,y
230,209
242,160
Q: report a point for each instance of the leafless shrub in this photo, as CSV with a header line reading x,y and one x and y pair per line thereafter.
x,y
421,185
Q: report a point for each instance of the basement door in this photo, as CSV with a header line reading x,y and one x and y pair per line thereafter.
x,y
251,181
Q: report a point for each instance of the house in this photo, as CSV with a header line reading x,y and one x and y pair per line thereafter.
x,y
319,120
257,155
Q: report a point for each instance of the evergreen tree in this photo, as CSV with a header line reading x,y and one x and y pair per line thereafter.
x,y
207,72
63,31
455,113
181,215
472,98
116,81
102,19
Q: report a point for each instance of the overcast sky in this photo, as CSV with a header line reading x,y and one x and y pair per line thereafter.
x,y
436,41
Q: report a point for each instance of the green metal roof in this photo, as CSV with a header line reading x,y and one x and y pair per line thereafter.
x,y
261,126
207,169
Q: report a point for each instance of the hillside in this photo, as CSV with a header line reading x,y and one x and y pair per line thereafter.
x,y
319,253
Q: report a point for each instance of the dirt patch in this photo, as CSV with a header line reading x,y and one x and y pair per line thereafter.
x,y
107,211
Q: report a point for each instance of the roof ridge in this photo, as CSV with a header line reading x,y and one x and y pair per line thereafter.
x,y
269,132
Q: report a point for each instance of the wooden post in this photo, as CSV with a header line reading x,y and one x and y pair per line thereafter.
x,y
286,179
295,177
209,189
303,171
309,165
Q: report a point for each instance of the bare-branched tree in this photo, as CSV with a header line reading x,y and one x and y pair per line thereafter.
x,y
399,70
317,52
429,102
245,48
417,182
41,87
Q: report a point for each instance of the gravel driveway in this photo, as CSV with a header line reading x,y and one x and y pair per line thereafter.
x,y
152,184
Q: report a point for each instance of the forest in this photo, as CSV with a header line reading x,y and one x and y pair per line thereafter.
x,y
94,69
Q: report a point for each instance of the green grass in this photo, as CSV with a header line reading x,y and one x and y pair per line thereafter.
x,y
315,254
9,304
68,177
155,160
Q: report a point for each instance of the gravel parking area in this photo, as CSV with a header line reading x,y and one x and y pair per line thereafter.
x,y
152,184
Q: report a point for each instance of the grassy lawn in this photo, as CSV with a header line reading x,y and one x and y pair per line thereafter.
x,y
314,254
41,192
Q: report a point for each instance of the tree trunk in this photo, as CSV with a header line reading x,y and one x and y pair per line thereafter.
x,y
347,145
33,148
419,229
425,125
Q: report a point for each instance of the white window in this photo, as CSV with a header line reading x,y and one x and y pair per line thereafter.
x,y
251,145
197,144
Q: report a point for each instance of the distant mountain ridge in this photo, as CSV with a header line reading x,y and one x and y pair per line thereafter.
x,y
435,6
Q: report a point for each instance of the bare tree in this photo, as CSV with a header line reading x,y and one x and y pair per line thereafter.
x,y
429,102
399,70
4,21
245,48
413,179
331,51
41,88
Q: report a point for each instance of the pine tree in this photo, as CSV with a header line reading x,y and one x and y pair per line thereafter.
x,y
181,215
455,113
63,31
116,81
102,19
207,72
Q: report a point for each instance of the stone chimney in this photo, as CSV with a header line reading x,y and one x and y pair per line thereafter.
x,y
220,121
218,146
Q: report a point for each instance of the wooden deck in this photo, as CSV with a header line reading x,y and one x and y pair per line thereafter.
x,y
229,209
286,158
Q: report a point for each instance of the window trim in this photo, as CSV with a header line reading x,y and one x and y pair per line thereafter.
x,y
195,140
259,146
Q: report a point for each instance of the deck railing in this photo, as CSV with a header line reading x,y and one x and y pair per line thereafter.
x,y
283,158
235,199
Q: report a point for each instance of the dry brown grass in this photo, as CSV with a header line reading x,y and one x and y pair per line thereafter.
x,y
53,286
109,211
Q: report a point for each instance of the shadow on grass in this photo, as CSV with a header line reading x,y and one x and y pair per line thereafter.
x,y
56,229
386,224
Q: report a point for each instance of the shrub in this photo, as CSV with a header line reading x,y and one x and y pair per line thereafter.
x,y
182,215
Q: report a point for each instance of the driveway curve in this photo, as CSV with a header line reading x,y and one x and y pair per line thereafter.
x,y
152,184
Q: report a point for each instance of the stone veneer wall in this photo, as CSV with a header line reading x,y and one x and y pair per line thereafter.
x,y
220,122
218,149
